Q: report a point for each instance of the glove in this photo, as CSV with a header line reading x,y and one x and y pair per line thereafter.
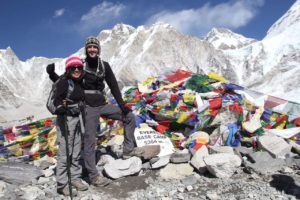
x,y
61,111
50,68
125,110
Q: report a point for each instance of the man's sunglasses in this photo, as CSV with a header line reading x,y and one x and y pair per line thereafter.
x,y
73,68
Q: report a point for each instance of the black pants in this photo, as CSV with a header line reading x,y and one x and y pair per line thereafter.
x,y
92,120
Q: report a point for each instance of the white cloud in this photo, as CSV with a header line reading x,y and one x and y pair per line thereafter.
x,y
199,21
59,13
100,15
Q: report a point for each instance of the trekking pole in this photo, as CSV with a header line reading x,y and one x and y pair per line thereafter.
x,y
68,156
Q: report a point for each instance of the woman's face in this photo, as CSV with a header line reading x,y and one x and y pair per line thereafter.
x,y
76,71
92,50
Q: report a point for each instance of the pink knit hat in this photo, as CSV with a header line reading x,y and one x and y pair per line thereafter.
x,y
73,61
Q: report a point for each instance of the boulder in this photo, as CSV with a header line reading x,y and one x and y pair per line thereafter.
x,y
32,193
295,147
48,172
150,151
262,162
120,168
181,156
275,145
19,173
159,162
220,149
197,159
176,171
104,159
222,165
44,162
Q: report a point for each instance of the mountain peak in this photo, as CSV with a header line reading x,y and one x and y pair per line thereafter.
x,y
161,26
119,30
156,26
222,38
9,55
10,52
216,31
123,29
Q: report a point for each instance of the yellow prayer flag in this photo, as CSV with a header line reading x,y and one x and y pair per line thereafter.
x,y
182,118
215,76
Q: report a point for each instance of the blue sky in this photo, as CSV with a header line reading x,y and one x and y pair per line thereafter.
x,y
58,28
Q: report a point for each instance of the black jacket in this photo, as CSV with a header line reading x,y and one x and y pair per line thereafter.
x,y
62,89
92,82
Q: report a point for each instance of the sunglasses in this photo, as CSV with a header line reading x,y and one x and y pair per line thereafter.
x,y
73,68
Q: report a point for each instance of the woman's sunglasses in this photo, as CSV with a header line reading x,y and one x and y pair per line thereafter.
x,y
73,68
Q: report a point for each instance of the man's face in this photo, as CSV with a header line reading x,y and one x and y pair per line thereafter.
x,y
92,50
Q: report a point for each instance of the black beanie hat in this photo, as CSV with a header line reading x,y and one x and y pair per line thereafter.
x,y
92,40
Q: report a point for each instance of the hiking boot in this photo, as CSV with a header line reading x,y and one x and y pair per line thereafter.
x,y
79,185
137,151
65,191
100,181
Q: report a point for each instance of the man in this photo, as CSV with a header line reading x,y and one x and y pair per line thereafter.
x,y
96,72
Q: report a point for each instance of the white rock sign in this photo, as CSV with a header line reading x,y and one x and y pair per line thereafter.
x,y
145,135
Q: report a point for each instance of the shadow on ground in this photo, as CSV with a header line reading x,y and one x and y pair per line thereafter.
x,y
122,187
287,184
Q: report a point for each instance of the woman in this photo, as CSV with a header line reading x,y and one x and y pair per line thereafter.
x,y
68,99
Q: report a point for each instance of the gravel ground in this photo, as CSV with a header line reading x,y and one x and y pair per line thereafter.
x,y
148,185
239,186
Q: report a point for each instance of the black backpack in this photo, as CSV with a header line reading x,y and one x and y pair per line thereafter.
x,y
50,102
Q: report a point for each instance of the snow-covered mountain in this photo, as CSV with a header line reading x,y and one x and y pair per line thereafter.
x,y
225,39
141,52
22,86
270,65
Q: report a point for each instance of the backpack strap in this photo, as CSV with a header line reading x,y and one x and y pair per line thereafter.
x,y
103,67
98,73
70,89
